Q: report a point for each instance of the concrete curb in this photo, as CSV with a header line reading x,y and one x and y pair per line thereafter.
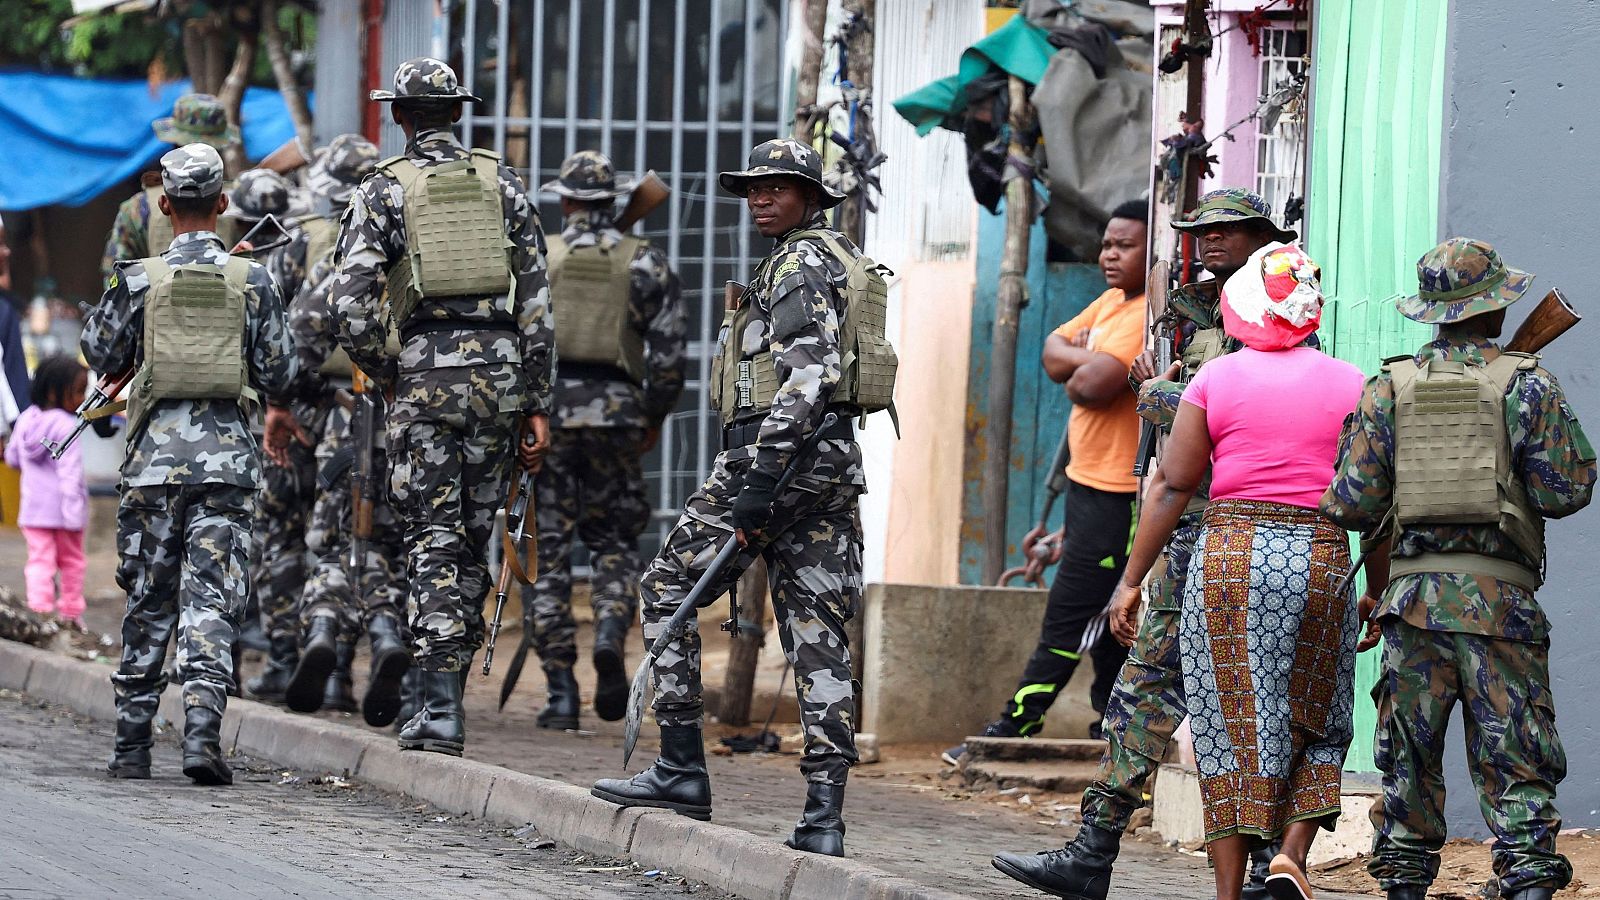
x,y
726,858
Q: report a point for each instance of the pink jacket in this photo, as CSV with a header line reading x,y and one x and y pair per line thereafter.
x,y
53,491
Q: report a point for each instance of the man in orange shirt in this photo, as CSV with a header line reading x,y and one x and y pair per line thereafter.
x,y
1090,356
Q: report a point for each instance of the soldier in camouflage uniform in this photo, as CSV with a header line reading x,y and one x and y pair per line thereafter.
x,y
604,418
191,470
195,118
1458,615
472,372
1147,702
809,535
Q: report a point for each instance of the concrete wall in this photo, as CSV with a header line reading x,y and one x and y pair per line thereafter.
x,y
1519,133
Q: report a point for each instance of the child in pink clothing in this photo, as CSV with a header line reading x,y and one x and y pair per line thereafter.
x,y
55,502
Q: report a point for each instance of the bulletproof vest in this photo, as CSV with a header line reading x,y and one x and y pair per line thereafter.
x,y
456,243
1204,345
321,234
1453,462
193,348
868,361
158,228
592,290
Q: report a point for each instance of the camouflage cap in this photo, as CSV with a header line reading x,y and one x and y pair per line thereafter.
x,y
425,78
259,192
588,175
782,157
1229,205
193,170
1461,278
339,167
197,117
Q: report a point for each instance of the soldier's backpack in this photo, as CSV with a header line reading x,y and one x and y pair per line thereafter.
x,y
194,317
591,290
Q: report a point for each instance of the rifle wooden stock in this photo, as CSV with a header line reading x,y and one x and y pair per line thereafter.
x,y
1548,321
648,194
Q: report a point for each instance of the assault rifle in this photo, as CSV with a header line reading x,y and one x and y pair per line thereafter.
x,y
1039,546
100,403
648,194
1163,332
366,417
269,231
518,512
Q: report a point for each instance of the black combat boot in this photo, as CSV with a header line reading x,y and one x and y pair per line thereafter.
x,y
678,781
611,678
1531,893
1255,887
1079,871
130,754
821,826
391,660
318,657
441,725
561,699
410,698
282,656
202,748
1407,892
337,693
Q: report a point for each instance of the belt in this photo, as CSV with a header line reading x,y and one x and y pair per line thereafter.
x,y
745,433
429,326
1466,564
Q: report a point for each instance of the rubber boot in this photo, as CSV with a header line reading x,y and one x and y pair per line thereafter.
x,y
1255,887
1532,893
282,657
1408,892
391,660
677,781
611,678
318,657
440,726
821,826
561,700
202,748
410,698
130,753
1079,871
337,693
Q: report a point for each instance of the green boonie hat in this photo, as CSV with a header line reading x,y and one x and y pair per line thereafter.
x,y
197,117
425,78
193,170
781,157
588,175
1232,205
260,192
1461,278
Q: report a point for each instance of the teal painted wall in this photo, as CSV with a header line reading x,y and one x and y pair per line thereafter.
x,y
1057,292
1378,81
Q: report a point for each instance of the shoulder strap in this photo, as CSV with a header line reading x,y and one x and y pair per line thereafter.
x,y
622,255
1404,370
156,269
237,273
1504,368
402,169
556,251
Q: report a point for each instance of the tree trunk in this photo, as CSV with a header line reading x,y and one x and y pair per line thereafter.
x,y
744,651
283,73
852,217
805,98
232,93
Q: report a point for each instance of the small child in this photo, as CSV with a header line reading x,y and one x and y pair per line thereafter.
x,y
55,502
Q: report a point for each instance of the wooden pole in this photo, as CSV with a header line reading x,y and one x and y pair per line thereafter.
x,y
805,100
1009,300
283,73
1194,25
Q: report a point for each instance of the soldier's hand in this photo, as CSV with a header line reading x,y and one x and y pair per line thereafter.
x,y
1143,368
752,508
1372,634
281,426
535,442
652,436
1123,617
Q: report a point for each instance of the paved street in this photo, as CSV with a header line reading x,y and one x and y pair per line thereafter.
x,y
66,830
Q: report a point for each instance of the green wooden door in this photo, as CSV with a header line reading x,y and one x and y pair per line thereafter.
x,y
1378,80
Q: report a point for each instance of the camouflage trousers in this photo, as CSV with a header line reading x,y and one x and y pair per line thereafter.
x,y
446,482
184,549
812,547
591,488
1514,753
1147,702
328,591
278,545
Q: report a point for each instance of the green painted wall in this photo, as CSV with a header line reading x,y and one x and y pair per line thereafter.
x,y
1378,82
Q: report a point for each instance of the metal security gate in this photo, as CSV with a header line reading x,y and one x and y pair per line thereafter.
x,y
683,87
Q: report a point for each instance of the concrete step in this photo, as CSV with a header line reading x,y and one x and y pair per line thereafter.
x,y
1035,749
1058,776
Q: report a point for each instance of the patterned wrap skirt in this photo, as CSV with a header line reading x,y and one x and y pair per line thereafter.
x,y
1268,666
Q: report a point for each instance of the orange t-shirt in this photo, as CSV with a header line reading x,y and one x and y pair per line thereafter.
x,y
1105,440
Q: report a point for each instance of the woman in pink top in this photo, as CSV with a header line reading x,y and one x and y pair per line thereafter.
x,y
55,503
1268,647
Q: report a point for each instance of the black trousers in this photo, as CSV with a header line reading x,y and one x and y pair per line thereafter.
x,y
1099,535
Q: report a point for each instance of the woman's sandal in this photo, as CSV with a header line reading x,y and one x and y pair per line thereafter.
x,y
1287,881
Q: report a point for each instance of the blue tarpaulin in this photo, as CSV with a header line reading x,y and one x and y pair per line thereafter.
x,y
67,140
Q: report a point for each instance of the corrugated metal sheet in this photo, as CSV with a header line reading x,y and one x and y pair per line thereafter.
x,y
408,30
339,98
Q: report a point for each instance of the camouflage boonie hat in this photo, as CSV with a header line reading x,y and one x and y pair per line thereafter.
x,y
1230,205
782,157
193,170
197,117
1459,279
260,192
339,167
425,78
588,175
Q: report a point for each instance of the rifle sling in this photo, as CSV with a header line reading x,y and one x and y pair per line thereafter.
x,y
530,540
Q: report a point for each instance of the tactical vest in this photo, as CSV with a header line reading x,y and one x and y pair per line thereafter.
x,y
740,387
321,234
1204,345
1453,462
592,290
456,243
158,233
194,316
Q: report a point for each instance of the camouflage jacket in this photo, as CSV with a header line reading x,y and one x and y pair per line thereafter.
x,y
482,372
656,313
1554,460
192,441
129,237
797,302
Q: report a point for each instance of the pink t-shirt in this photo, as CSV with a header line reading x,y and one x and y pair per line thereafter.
x,y
1274,420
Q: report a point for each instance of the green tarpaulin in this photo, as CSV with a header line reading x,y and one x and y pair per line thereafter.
x,y
1017,47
